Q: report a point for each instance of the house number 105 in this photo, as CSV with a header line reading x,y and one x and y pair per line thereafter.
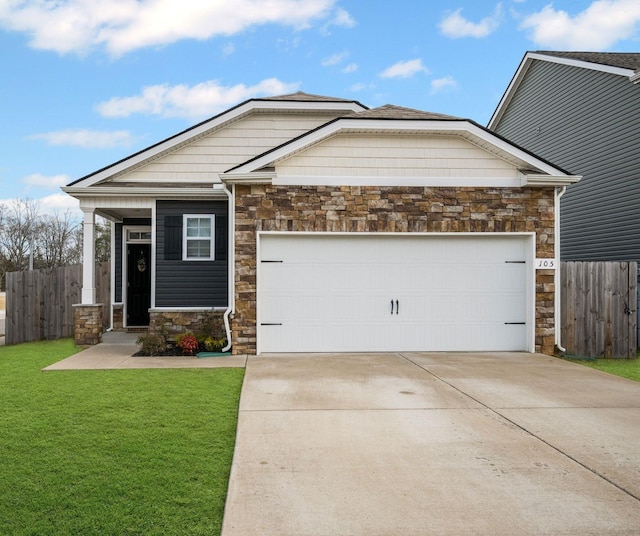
x,y
545,264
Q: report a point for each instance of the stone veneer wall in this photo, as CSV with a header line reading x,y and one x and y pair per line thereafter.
x,y
172,323
88,324
388,209
118,317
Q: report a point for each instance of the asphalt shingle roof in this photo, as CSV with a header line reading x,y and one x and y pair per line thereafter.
x,y
390,111
305,97
625,60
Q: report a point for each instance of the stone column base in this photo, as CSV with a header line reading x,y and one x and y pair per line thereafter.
x,y
88,324
118,317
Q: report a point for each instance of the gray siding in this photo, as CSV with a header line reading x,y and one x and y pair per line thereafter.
x,y
191,283
588,123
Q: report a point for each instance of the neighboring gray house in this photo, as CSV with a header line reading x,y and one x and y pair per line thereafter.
x,y
581,110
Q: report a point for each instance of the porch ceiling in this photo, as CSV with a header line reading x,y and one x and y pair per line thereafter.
x,y
119,214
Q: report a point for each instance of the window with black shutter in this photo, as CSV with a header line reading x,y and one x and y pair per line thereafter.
x,y
221,238
173,238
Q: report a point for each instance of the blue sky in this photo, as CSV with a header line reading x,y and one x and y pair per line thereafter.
x,y
88,82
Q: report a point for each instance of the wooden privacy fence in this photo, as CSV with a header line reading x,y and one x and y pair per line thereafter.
x,y
599,308
40,302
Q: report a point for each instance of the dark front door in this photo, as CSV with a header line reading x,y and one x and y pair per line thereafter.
x,y
138,284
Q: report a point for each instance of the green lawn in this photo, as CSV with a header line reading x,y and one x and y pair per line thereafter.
x,y
114,452
627,368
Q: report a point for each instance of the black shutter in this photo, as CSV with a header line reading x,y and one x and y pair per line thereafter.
x,y
173,238
222,238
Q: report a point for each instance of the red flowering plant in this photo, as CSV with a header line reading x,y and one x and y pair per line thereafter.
x,y
188,344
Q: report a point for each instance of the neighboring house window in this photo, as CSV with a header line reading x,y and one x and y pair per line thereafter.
x,y
198,237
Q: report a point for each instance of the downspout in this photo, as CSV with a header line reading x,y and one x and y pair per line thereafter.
x,y
559,192
231,300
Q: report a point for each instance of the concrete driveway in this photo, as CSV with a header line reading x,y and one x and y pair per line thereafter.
x,y
421,444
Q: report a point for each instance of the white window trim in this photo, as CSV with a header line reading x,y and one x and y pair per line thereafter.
x,y
140,230
212,249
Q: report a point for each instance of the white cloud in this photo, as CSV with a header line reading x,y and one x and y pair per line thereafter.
x,y
58,203
361,87
334,59
121,26
456,26
598,27
404,69
190,102
343,18
43,181
52,204
444,84
351,68
90,139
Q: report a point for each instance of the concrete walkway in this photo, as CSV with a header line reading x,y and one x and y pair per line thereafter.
x,y
442,444
116,352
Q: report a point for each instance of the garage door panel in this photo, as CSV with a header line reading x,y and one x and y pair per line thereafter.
x,y
335,293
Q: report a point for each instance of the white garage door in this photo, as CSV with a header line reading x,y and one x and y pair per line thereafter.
x,y
346,293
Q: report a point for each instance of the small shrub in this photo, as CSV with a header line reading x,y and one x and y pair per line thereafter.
x,y
201,337
152,344
187,343
214,345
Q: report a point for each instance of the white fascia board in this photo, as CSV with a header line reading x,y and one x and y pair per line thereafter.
x,y
549,180
621,71
157,193
203,128
524,67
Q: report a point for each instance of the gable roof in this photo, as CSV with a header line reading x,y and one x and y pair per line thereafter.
x,y
625,64
295,102
397,119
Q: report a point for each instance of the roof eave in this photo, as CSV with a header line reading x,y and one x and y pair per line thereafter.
x,y
157,193
539,180
256,177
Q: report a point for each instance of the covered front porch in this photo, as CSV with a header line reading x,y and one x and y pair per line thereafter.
x,y
131,221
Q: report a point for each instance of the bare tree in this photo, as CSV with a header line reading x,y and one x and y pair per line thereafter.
x,y
59,241
19,222
102,240
48,240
